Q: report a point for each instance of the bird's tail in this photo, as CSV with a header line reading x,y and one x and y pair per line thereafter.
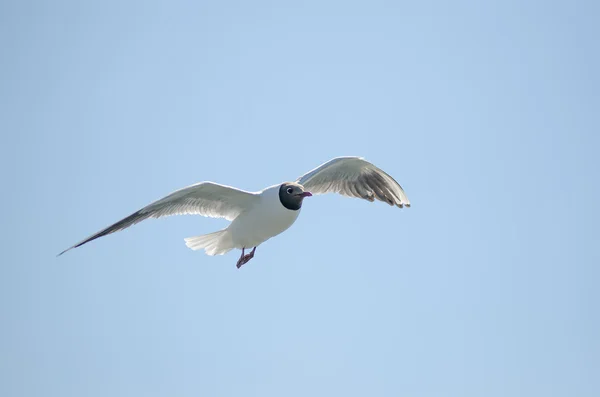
x,y
217,243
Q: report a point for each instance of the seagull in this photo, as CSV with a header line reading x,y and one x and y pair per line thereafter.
x,y
257,216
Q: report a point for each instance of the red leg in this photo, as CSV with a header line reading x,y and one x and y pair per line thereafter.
x,y
240,261
245,258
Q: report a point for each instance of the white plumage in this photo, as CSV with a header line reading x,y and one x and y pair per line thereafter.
x,y
251,228
256,217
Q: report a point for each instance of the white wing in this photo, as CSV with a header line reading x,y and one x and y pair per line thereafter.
x,y
354,177
204,198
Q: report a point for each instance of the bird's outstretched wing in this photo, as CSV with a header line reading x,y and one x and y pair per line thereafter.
x,y
204,198
354,177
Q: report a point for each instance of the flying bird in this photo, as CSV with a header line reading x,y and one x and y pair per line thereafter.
x,y
257,216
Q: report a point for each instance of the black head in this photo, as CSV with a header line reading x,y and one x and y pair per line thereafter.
x,y
291,195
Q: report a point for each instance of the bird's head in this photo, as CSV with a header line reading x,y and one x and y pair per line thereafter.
x,y
291,195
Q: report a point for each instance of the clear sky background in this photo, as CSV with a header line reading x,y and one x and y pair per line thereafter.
x,y
487,114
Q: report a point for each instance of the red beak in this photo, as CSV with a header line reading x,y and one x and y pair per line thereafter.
x,y
306,194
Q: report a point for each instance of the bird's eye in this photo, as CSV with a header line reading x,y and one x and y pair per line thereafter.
x,y
290,190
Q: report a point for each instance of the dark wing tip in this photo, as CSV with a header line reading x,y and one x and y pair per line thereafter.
x,y
122,224
68,249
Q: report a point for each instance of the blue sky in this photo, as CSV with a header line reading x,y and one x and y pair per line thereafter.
x,y
487,114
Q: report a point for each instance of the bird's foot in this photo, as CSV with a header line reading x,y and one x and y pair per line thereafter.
x,y
245,258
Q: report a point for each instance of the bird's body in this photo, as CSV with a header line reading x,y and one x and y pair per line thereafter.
x,y
266,218
256,217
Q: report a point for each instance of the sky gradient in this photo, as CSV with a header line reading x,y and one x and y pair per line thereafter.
x,y
487,115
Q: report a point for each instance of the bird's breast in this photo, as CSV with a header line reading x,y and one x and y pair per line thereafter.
x,y
259,224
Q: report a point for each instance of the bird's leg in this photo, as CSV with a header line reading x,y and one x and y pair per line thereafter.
x,y
250,255
240,261
245,258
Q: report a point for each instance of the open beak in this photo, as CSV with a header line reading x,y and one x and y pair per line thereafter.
x,y
306,194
